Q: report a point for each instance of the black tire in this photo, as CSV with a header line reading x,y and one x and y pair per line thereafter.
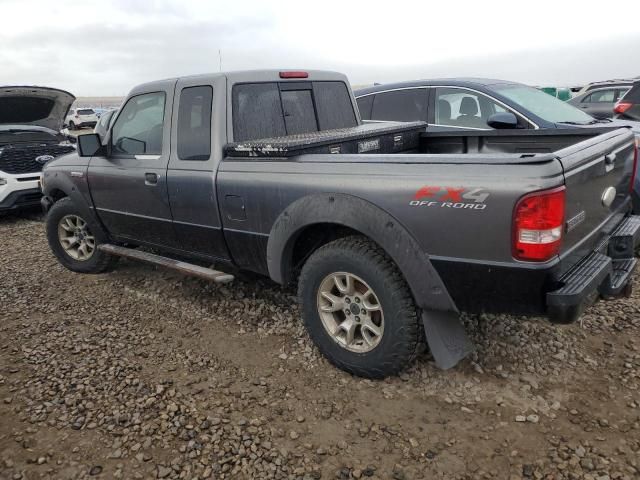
x,y
99,261
402,335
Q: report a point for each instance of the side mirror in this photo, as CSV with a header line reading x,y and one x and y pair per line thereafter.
x,y
89,145
503,120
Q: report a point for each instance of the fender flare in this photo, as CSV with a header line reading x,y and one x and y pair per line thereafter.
x,y
426,285
62,182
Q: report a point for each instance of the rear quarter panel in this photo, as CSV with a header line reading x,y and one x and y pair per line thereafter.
x,y
453,210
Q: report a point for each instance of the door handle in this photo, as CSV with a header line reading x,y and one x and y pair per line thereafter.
x,y
151,179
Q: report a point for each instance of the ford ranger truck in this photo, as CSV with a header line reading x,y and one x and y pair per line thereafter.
x,y
388,230
30,123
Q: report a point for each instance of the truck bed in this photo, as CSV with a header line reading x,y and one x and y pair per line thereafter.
x,y
505,141
388,137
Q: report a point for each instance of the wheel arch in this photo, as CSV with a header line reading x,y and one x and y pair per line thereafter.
x,y
60,185
338,215
57,194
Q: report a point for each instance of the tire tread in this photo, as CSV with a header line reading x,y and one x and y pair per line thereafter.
x,y
408,336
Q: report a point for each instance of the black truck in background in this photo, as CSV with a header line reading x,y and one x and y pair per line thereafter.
x,y
389,230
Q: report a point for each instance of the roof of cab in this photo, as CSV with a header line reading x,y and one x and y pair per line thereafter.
x,y
244,76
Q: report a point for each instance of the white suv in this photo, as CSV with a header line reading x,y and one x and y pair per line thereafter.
x,y
81,117
30,123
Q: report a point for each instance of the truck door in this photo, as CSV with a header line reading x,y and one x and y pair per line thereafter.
x,y
196,151
129,184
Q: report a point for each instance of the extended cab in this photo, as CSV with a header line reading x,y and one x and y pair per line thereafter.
x,y
389,230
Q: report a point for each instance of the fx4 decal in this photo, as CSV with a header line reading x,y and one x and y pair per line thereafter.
x,y
450,197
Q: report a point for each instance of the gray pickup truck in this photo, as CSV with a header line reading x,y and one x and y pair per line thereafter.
x,y
389,231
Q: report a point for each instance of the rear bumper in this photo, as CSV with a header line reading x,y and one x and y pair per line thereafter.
x,y
605,272
485,288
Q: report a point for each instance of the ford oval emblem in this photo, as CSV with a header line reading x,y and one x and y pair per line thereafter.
x,y
608,196
42,159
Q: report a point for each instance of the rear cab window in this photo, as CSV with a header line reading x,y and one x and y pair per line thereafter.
x,y
276,109
85,111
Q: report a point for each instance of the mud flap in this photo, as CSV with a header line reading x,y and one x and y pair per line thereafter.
x,y
446,337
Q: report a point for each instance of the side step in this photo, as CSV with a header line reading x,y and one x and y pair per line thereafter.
x,y
184,267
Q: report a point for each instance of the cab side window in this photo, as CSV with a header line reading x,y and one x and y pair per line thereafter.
x,y
138,129
194,123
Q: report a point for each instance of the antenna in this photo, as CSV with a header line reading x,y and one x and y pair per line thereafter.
x,y
220,58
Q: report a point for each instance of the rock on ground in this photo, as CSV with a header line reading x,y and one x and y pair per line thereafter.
x,y
143,373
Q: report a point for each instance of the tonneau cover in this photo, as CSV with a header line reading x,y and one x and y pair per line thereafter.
x,y
387,137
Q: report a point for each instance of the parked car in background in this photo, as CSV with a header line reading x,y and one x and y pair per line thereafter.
x,y
478,104
30,123
106,120
80,118
628,107
619,82
599,102
468,103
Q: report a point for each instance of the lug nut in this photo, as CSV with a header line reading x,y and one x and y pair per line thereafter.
x,y
357,300
347,311
348,300
357,319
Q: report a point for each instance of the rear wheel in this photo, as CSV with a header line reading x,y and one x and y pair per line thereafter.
x,y
74,239
358,308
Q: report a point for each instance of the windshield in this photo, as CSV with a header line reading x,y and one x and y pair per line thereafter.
x,y
543,105
85,111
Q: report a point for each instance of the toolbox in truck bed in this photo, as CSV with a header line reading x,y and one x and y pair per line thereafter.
x,y
388,137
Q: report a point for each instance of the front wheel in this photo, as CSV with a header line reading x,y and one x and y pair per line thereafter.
x,y
358,308
74,239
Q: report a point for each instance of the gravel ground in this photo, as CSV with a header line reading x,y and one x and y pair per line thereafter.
x,y
143,373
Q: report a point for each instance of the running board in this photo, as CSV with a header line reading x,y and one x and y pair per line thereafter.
x,y
183,267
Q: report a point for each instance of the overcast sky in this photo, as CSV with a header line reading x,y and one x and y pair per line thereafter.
x,y
106,47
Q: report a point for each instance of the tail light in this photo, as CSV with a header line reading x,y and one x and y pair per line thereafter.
x,y
294,74
622,107
538,222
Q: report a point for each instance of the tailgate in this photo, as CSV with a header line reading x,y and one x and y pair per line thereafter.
x,y
598,174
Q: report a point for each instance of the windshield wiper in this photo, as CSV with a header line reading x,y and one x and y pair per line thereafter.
x,y
575,123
